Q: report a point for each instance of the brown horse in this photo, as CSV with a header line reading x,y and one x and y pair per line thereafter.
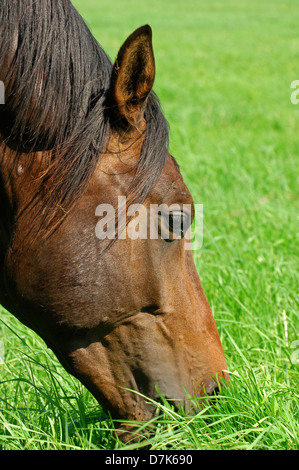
x,y
77,133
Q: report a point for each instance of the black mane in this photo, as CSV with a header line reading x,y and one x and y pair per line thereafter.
x,y
56,79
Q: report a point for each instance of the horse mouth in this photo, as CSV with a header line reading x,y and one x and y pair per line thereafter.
x,y
186,404
160,407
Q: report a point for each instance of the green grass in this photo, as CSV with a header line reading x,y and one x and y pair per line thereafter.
x,y
224,71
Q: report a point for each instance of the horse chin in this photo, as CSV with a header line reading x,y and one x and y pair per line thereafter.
x,y
133,431
145,414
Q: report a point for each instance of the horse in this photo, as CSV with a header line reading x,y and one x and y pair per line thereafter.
x,y
127,317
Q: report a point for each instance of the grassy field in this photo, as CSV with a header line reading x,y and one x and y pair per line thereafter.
x,y
224,70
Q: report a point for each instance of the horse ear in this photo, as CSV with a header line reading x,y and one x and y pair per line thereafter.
x,y
133,76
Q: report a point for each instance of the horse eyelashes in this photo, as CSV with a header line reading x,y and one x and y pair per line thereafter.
x,y
174,224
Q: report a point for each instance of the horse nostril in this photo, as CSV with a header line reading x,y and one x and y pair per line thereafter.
x,y
212,389
216,391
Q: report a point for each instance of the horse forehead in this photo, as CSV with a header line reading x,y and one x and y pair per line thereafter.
x,y
171,187
171,170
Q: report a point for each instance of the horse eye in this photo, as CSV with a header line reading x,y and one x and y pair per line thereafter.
x,y
174,225
176,222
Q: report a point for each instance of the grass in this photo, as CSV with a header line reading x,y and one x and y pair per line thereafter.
x,y
224,71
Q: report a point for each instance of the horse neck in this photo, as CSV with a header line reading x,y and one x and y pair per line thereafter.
x,y
18,183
